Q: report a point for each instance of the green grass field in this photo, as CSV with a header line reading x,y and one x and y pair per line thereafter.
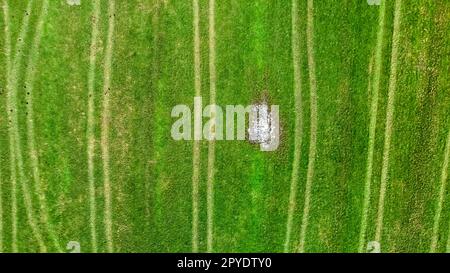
x,y
86,153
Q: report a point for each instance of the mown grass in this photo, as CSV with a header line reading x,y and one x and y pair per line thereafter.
x,y
151,174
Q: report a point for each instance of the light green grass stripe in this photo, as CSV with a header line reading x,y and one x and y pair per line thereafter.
x,y
106,119
14,136
298,123
372,124
440,201
197,115
211,144
90,136
29,81
389,118
313,122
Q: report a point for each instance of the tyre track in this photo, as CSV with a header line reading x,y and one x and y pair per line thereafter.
x,y
389,118
29,81
106,119
314,122
443,187
197,131
14,136
211,145
11,149
372,124
298,123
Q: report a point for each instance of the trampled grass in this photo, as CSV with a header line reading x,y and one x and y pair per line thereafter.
x,y
86,152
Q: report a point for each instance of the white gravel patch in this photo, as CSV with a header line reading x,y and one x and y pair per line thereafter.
x,y
263,126
74,2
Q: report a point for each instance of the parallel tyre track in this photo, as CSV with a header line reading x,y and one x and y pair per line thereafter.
x,y
298,124
375,88
33,154
313,122
14,136
389,118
